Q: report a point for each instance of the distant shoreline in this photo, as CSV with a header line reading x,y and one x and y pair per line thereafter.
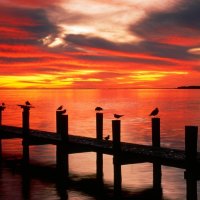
x,y
189,87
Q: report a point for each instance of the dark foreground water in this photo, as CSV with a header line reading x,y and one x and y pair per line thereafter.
x,y
177,109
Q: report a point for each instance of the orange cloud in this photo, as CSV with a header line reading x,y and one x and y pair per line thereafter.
x,y
145,44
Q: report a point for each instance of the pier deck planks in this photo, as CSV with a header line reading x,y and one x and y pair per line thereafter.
x,y
130,153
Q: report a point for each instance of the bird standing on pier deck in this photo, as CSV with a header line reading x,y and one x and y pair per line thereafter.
x,y
117,116
98,109
107,137
154,112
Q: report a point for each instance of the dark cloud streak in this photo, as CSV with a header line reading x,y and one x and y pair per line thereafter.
x,y
184,21
152,48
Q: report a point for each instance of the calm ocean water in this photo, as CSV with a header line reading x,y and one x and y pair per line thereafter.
x,y
178,108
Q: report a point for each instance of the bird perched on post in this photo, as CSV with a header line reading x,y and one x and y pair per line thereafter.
x,y
27,105
3,106
107,137
98,109
117,116
60,107
154,112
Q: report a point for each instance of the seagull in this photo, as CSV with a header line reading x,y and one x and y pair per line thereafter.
x,y
118,116
98,109
107,137
154,112
3,106
60,107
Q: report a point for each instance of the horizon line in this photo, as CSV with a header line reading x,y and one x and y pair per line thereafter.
x,y
81,88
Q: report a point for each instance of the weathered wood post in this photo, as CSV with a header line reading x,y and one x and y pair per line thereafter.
x,y
157,171
0,139
25,129
116,134
99,155
62,161
191,138
156,132
1,110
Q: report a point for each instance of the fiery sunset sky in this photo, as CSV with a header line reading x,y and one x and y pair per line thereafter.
x,y
99,43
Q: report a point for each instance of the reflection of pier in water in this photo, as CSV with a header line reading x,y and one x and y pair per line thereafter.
x,y
123,153
87,184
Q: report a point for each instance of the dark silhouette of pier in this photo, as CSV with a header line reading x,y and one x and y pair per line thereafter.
x,y
123,153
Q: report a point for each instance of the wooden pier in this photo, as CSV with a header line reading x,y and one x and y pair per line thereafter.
x,y
123,153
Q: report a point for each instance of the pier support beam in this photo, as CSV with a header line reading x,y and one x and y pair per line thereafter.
x,y
62,159
2,108
0,139
25,129
191,138
99,155
155,132
116,134
157,171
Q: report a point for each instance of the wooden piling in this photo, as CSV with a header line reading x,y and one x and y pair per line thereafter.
x,y
191,139
156,132
62,160
58,121
116,134
157,171
99,126
0,139
64,129
25,129
191,136
99,155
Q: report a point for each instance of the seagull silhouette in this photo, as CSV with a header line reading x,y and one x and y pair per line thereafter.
x,y
98,109
107,137
154,112
118,116
60,107
3,106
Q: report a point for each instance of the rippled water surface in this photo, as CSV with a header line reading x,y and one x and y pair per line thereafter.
x,y
178,108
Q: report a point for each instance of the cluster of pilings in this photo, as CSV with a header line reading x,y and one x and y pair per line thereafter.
x,y
62,161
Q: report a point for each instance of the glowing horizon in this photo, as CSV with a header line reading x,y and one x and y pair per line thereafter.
x,y
101,44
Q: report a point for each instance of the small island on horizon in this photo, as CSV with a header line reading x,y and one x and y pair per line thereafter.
x,y
189,87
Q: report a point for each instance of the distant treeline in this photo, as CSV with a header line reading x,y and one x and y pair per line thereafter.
x,y
189,87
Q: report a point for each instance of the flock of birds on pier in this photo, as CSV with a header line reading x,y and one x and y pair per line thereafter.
x,y
99,109
61,110
117,116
